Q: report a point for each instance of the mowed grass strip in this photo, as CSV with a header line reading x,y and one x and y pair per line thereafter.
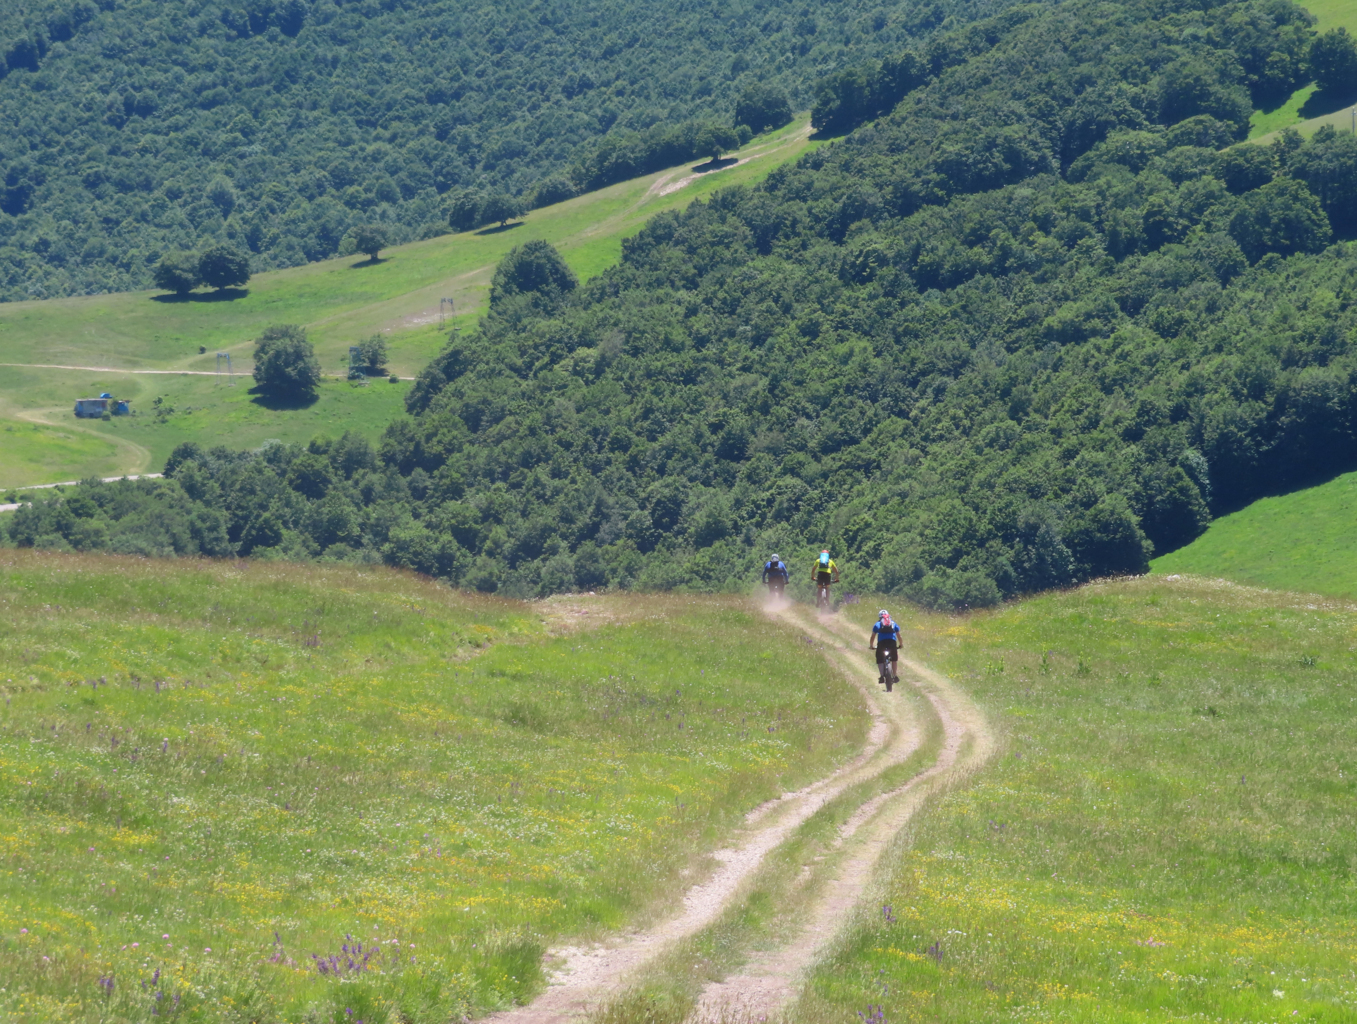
x,y
1302,541
216,776
1168,833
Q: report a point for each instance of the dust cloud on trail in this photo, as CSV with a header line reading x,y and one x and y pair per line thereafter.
x,y
587,976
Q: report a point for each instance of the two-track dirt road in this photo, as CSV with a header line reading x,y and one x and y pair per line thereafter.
x,y
771,979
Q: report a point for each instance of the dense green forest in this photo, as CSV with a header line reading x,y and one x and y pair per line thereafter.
x,y
1031,327
137,127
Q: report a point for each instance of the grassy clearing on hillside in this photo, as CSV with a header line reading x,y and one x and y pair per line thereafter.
x,y
341,301
30,448
215,771
193,408
1330,14
1303,541
1169,832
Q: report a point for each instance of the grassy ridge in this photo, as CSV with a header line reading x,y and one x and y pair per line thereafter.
x,y
1303,541
340,301
217,771
1168,832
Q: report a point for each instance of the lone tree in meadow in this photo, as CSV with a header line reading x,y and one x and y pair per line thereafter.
x,y
500,207
285,363
371,239
223,266
372,354
177,272
716,139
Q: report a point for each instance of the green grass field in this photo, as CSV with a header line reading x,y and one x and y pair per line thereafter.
x,y
1303,541
1329,14
191,408
340,301
214,771
1168,833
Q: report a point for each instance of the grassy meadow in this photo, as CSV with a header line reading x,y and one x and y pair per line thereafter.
x,y
1168,833
340,301
263,792
1302,541
190,408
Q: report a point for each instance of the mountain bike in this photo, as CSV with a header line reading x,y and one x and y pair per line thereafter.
x,y
822,598
885,664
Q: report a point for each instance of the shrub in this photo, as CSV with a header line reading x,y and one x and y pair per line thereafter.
x,y
285,362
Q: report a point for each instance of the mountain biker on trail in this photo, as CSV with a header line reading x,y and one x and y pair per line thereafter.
x,y
885,640
776,575
824,573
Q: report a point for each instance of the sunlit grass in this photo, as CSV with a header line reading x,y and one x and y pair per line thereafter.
x,y
226,772
30,448
1168,833
1302,541
1265,122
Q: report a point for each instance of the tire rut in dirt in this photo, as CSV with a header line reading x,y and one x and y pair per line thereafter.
x,y
587,975
772,980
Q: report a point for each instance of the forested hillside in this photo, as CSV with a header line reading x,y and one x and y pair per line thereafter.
x,y
137,127
1030,328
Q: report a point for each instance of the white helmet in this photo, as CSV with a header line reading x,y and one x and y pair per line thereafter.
x,y
777,558
882,614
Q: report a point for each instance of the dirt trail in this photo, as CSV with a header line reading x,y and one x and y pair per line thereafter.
x,y
772,980
586,975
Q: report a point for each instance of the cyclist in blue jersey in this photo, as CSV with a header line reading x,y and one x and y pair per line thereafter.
x,y
775,576
885,640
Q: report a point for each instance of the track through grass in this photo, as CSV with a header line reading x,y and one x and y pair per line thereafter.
x,y
211,772
1169,833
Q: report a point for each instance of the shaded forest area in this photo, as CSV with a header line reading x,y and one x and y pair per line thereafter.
x,y
1030,328
135,127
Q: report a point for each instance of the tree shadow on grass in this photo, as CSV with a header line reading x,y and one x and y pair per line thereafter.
x,y
832,132
715,165
371,261
275,402
500,227
220,295
1321,103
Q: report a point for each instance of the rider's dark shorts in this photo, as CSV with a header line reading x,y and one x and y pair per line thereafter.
x,y
823,578
884,647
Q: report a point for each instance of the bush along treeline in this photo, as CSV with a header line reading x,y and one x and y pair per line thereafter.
x,y
137,128
979,347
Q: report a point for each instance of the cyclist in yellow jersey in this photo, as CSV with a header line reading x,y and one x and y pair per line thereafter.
x,y
823,574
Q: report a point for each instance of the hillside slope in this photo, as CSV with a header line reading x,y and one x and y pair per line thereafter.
x,y
215,784
135,127
1025,330
339,302
1304,541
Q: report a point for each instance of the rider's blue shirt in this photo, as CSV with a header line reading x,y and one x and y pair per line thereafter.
x,y
883,632
775,569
